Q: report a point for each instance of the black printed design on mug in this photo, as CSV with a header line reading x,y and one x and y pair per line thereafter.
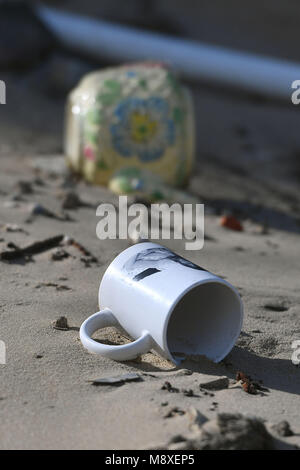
x,y
152,261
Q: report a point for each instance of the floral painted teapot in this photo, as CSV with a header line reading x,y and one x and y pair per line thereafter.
x,y
136,116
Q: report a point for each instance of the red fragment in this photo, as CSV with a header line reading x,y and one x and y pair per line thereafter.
x,y
229,221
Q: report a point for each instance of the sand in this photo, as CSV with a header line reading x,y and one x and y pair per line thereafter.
x,y
46,399
247,161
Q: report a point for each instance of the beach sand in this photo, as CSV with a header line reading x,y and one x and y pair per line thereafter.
x,y
46,398
247,163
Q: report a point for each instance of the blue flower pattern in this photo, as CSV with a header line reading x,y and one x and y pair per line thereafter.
x,y
142,128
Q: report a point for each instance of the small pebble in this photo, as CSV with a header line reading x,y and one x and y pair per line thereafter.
x,y
188,392
167,386
13,228
283,429
38,181
59,255
177,438
173,412
38,209
118,380
71,201
24,187
61,324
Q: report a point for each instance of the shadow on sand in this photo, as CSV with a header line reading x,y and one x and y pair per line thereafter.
x,y
276,374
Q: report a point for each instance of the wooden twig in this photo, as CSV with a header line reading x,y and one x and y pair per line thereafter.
x,y
33,249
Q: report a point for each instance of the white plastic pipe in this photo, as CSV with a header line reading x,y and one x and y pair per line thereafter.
x,y
218,65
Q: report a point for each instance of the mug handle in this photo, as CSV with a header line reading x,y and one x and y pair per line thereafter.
x,y
123,352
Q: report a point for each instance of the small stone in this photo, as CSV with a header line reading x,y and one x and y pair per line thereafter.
x,y
87,261
283,429
175,446
118,380
38,181
13,228
177,438
24,187
173,412
62,287
182,372
38,209
249,387
167,386
59,287
188,392
239,248
214,405
61,324
216,384
12,246
71,201
59,255
276,307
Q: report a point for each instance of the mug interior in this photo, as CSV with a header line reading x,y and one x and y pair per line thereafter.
x,y
206,321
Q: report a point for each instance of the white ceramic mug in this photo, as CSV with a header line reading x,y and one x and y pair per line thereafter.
x,y
167,304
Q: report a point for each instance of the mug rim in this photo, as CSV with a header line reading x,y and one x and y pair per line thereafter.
x,y
216,280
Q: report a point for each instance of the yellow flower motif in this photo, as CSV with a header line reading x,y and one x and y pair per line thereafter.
x,y
143,128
